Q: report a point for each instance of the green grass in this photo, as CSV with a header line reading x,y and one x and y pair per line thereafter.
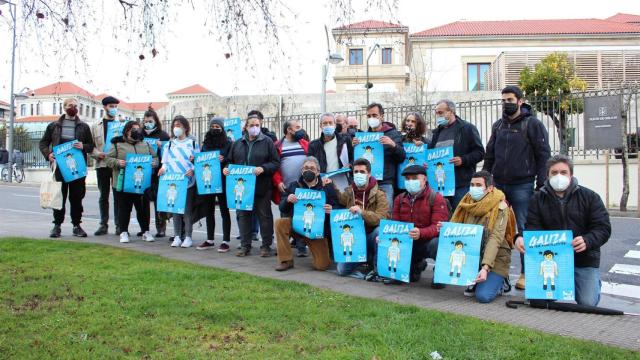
x,y
67,300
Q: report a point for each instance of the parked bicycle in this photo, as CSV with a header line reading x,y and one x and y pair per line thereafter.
x,y
17,173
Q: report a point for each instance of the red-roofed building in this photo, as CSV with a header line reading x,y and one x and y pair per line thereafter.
x,y
4,112
625,18
192,101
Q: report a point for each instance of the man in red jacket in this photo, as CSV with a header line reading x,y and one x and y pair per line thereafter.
x,y
424,208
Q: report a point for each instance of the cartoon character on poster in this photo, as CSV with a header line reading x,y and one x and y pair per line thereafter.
x,y
153,142
172,193
440,172
71,161
308,213
394,250
550,257
241,184
349,229
137,173
233,128
114,128
370,148
138,176
207,172
415,156
458,258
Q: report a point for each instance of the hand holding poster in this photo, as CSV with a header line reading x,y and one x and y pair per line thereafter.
x,y
233,128
440,172
416,155
114,128
548,259
370,148
458,259
137,173
349,237
207,171
394,250
172,193
308,213
241,186
153,142
71,161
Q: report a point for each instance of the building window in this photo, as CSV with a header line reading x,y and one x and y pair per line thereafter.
x,y
54,109
23,110
476,76
31,109
355,56
93,112
101,113
60,108
38,109
386,56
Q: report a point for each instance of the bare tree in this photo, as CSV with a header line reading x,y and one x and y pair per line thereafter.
x,y
629,91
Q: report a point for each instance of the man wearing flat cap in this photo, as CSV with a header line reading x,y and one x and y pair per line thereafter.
x,y
104,173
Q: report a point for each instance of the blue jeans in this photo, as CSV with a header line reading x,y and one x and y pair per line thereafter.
x,y
518,197
587,280
388,191
489,289
461,191
345,269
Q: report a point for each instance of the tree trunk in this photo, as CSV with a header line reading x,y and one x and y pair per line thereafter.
x,y
560,122
625,155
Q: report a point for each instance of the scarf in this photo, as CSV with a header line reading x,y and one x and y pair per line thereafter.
x,y
363,193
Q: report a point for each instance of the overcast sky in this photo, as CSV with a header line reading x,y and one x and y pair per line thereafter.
x,y
191,56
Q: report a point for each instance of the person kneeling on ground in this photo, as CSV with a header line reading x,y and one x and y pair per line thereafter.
x,y
485,205
310,179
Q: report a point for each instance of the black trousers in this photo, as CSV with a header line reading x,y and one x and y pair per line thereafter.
x,y
127,202
104,186
75,191
262,208
221,199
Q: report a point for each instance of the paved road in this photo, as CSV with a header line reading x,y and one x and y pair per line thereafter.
x,y
620,263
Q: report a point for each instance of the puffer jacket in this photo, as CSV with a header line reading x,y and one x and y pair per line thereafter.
x,y
119,151
417,210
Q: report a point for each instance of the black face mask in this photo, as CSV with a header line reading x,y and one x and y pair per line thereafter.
x,y
215,132
351,132
137,135
510,109
338,128
299,135
308,176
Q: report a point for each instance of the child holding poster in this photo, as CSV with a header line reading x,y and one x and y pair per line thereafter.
x,y
126,154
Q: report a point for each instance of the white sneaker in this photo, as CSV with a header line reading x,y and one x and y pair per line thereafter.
x,y
176,242
187,242
124,237
148,237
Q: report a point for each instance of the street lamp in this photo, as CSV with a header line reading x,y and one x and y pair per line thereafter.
x,y
369,85
12,106
334,58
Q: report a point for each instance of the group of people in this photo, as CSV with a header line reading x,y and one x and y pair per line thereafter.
x,y
520,187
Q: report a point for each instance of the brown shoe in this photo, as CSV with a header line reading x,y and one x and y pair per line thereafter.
x,y
285,265
265,252
243,252
520,282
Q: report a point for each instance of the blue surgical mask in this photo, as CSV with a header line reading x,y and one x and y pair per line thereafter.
x,y
413,186
441,121
360,179
328,130
149,125
112,112
476,192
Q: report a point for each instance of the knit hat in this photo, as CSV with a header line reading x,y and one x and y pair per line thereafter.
x,y
218,120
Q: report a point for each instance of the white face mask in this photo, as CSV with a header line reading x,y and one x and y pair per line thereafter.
x,y
177,132
559,182
373,122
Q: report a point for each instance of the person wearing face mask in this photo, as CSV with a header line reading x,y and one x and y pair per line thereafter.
x,y
131,142
341,124
256,149
415,130
352,126
468,150
486,206
333,150
309,179
103,172
365,198
516,155
562,204
67,128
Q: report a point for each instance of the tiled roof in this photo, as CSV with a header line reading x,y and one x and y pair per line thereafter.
x,y
143,106
369,24
61,88
4,103
37,118
193,89
625,18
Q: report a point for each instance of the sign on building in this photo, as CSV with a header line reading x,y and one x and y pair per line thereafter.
x,y
602,122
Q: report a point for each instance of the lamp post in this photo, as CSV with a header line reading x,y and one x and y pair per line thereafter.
x,y
334,58
368,85
12,106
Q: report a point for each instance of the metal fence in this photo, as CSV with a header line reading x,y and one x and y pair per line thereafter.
x,y
28,145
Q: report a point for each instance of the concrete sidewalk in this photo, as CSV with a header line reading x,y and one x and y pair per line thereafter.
x,y
621,331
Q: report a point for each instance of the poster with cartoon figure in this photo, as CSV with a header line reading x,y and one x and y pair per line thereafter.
x,y
416,155
370,148
137,173
308,213
440,172
208,174
153,142
458,259
233,128
394,249
548,259
114,128
241,185
70,161
349,239
172,193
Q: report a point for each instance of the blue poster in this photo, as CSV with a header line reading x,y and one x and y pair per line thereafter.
x,y
207,171
241,187
371,149
163,144
172,193
394,249
416,155
336,172
70,161
308,213
137,173
153,142
458,259
233,128
348,236
114,128
548,259
440,173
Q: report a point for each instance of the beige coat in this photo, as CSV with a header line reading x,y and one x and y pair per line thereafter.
x,y
375,210
120,150
97,131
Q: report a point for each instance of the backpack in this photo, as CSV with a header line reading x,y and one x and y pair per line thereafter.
x,y
524,128
432,200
